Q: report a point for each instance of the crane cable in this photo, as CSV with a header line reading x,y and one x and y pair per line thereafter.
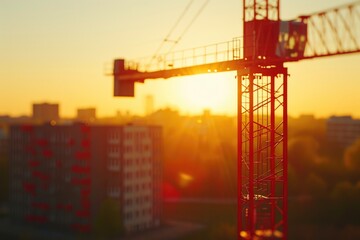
x,y
166,39
189,25
179,19
175,42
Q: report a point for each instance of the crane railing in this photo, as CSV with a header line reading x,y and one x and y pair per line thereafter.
x,y
218,52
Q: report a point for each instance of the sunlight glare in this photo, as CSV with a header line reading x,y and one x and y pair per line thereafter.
x,y
185,179
215,92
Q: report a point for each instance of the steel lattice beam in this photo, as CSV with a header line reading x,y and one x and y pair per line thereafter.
x,y
261,9
333,32
262,153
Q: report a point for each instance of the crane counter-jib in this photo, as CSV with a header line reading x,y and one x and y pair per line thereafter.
x,y
130,75
234,65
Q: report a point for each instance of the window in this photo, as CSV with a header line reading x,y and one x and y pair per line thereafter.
x,y
128,189
129,215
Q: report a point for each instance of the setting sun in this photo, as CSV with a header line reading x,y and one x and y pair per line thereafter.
x,y
216,92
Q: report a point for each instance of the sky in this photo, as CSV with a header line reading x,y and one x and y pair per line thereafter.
x,y
60,51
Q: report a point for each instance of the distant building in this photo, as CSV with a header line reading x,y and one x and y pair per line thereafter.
x,y
8,120
149,105
307,118
87,115
343,130
61,175
5,119
45,112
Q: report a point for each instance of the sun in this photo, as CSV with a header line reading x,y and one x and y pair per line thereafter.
x,y
216,92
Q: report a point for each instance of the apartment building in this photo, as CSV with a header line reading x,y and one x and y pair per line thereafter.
x,y
61,174
343,130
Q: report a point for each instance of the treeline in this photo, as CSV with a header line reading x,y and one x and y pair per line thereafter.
x,y
324,178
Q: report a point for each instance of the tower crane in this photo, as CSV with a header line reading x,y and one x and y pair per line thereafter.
x,y
258,58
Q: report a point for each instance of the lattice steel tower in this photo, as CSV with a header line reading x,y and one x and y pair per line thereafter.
x,y
262,120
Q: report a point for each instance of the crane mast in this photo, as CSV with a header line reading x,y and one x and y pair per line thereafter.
x,y
260,25
262,126
261,9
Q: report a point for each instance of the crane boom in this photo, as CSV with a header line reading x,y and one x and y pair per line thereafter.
x,y
333,32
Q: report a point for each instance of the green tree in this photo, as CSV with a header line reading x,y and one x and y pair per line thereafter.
x,y
108,222
225,232
4,178
316,186
303,154
345,198
352,157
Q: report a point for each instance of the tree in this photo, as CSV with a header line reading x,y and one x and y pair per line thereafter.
x,y
4,171
303,155
108,222
346,197
316,186
223,231
352,157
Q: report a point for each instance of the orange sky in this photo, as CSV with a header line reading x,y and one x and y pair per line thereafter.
x,y
58,51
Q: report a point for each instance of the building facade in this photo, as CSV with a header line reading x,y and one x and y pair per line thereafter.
x,y
343,130
87,115
45,112
3,141
61,175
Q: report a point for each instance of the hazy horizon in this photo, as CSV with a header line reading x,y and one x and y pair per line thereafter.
x,y
171,108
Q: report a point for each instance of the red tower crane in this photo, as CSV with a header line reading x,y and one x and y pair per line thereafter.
x,y
259,59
